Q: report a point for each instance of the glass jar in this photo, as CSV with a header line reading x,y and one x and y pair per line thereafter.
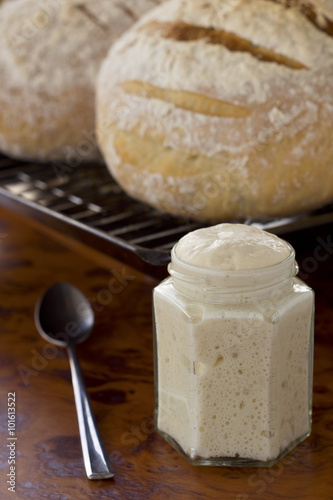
x,y
233,362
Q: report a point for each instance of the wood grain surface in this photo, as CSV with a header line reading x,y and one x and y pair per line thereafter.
x,y
117,361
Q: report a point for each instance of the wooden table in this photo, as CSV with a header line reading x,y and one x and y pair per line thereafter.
x,y
117,361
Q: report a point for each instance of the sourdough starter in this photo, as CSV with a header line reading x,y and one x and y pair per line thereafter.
x,y
233,333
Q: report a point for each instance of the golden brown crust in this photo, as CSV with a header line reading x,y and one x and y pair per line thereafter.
x,y
50,54
218,189
184,32
186,100
198,127
63,139
308,9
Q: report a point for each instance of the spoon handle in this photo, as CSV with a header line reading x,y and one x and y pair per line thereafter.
x,y
95,460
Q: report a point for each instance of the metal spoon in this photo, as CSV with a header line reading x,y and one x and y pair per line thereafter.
x,y
63,316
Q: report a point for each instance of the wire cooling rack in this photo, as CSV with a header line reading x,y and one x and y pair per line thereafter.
x,y
87,204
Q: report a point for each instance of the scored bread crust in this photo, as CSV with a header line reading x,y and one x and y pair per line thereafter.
x,y
217,110
50,54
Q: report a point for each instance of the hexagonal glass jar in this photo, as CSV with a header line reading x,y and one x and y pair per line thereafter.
x,y
233,362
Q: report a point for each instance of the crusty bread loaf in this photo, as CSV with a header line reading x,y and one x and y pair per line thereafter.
x,y
218,110
50,54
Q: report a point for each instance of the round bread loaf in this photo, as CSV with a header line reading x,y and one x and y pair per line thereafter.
x,y
221,110
50,54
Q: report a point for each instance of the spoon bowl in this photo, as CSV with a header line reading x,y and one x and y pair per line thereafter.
x,y
64,317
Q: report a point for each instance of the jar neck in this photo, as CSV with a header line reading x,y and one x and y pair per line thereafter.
x,y
245,285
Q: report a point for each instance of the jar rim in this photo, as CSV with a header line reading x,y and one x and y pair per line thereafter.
x,y
230,278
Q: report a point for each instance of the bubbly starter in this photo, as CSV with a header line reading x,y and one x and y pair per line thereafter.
x,y
233,372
